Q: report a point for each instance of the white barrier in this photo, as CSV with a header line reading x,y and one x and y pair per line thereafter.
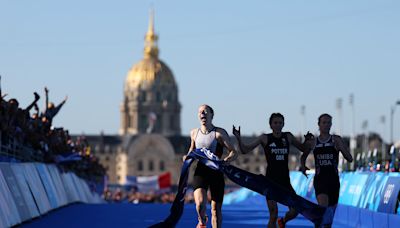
x,y
86,191
9,214
48,185
59,186
70,188
25,191
15,191
36,186
28,190
80,188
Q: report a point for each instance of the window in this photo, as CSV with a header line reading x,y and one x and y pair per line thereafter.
x,y
159,125
162,166
128,121
144,96
151,165
143,122
140,165
171,122
158,96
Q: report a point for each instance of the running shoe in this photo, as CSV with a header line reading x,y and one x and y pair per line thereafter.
x,y
201,224
281,223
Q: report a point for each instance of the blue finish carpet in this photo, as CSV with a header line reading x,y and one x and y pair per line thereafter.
x,y
144,215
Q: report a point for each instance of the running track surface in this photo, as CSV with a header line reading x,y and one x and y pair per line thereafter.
x,y
144,215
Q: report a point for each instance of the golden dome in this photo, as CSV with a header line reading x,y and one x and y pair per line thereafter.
x,y
147,72
150,69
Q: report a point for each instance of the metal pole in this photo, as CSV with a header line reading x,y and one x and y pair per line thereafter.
x,y
383,121
303,121
391,123
339,112
339,128
353,142
392,109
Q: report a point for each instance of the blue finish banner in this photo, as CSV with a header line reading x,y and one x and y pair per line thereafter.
x,y
258,183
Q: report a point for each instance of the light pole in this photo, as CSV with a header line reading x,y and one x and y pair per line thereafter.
x,y
383,122
365,129
353,142
339,102
392,109
303,120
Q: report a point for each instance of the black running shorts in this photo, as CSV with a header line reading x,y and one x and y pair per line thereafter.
x,y
329,186
205,178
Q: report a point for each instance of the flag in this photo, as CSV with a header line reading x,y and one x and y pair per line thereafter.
x,y
150,183
67,158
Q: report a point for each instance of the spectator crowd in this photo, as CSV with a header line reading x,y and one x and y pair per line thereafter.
x,y
129,194
27,135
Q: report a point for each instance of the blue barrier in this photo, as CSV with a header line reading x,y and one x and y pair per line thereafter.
x,y
359,217
377,192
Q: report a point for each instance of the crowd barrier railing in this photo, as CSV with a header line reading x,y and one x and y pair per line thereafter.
x,y
28,190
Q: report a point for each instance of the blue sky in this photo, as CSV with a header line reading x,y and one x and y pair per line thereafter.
x,y
247,59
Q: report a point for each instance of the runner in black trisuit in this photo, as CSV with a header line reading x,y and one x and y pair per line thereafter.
x,y
276,148
326,149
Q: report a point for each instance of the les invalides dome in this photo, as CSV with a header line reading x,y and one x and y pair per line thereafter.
x,y
150,102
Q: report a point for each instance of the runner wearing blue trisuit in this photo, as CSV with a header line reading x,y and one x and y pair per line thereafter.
x,y
326,148
276,148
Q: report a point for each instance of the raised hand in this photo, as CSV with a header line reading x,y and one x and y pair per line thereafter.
x,y
304,169
37,97
236,132
308,136
46,89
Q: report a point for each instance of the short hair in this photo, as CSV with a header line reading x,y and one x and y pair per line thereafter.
x,y
276,115
209,108
324,115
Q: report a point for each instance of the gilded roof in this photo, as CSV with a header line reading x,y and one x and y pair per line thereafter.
x,y
147,72
150,70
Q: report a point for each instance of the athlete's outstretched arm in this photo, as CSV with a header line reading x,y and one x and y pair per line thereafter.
x,y
311,143
245,148
305,146
341,146
223,138
303,158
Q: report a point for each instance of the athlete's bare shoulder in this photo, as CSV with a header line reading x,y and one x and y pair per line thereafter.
x,y
220,130
193,132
